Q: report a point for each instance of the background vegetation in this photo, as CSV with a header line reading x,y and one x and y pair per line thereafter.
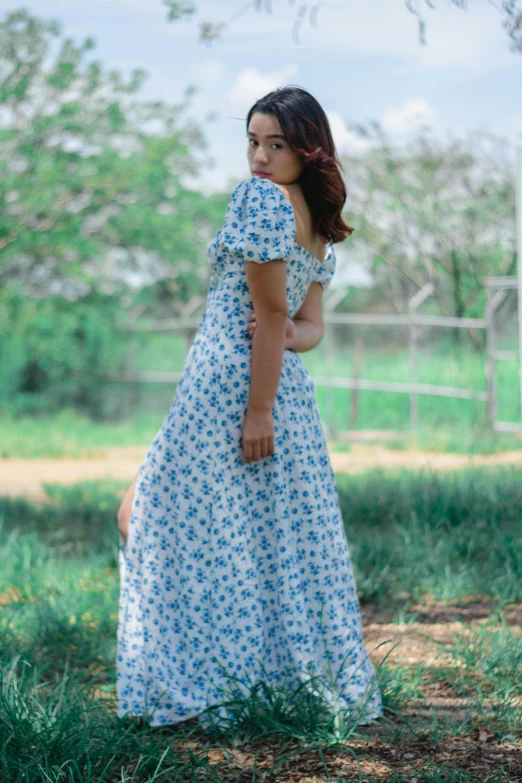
x,y
411,551
98,232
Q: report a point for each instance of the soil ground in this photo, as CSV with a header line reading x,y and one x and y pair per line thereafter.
x,y
400,746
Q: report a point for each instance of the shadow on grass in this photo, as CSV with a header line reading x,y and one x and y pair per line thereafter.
x,y
420,544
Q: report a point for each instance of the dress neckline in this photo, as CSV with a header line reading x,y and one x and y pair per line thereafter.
x,y
328,245
318,260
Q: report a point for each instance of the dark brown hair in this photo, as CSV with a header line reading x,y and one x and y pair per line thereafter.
x,y
308,133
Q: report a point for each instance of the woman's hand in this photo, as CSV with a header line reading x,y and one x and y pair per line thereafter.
x,y
289,333
124,511
258,434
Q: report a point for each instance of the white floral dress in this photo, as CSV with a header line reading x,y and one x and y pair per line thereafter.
x,y
236,570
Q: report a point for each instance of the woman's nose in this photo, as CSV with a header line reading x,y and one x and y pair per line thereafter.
x,y
262,157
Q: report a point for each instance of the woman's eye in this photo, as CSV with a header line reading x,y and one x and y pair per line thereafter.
x,y
275,144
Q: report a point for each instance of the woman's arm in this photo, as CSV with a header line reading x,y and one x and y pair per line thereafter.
x,y
307,334
305,330
125,509
267,284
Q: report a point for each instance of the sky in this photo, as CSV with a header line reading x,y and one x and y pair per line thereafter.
x,y
362,61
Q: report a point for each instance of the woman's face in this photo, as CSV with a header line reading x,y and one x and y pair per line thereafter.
x,y
269,154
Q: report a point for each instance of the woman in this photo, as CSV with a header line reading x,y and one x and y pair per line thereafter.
x,y
233,557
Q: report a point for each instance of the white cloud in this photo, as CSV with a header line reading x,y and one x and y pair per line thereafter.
x,y
411,117
251,84
399,122
347,142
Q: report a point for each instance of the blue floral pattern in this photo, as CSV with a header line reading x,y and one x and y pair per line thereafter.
x,y
233,569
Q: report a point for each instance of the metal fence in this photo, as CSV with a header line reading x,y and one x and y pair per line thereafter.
x,y
499,327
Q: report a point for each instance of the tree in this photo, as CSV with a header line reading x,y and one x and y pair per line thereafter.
x,y
91,195
434,211
510,10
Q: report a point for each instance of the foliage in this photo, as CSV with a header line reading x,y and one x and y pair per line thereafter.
x,y
435,532
91,193
179,9
434,211
513,22
52,354
510,10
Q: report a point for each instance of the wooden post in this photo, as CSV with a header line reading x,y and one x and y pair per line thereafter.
x,y
490,366
519,266
355,375
414,400
413,304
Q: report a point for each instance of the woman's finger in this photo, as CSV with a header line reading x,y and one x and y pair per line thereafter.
x,y
264,447
247,452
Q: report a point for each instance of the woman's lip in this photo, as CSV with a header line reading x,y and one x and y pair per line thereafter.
x,y
261,174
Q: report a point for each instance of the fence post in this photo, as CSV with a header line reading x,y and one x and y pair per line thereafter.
x,y
519,265
414,400
490,366
413,304
355,375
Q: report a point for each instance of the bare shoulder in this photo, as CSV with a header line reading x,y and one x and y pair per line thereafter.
x,y
292,191
294,195
282,188
285,190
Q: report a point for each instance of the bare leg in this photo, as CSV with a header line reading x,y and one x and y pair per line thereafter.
x,y
124,511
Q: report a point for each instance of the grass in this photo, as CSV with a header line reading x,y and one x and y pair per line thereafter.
x,y
421,544
69,433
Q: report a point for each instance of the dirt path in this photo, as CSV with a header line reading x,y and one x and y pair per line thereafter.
x,y
26,476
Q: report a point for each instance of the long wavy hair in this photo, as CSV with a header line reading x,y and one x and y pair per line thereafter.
x,y
307,130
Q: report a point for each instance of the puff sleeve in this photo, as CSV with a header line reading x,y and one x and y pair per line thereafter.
x,y
259,223
326,269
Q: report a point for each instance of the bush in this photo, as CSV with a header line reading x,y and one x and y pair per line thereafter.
x,y
53,353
